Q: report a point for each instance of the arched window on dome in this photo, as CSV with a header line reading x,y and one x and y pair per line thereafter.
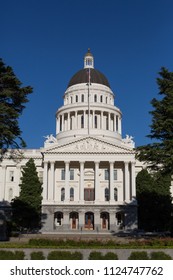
x,y
95,98
95,122
82,121
106,100
76,98
115,194
82,98
101,98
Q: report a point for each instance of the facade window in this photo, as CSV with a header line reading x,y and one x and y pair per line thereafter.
x,y
106,100
71,99
58,217
76,98
82,121
95,98
106,174
101,98
115,174
71,194
89,194
71,174
115,194
95,121
40,176
62,194
63,174
106,194
11,176
70,123
82,98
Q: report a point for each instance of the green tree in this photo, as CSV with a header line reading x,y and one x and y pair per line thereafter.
x,y
27,207
159,152
12,102
154,201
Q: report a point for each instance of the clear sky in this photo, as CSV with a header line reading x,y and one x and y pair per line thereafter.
x,y
45,40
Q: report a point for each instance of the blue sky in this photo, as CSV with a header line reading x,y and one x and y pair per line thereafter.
x,y
45,41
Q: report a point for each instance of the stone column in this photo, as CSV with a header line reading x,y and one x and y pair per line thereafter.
x,y
115,129
66,221
45,181
126,176
81,222
52,183
96,181
75,121
67,189
81,186
133,180
2,194
109,121
16,190
101,120
111,182
57,125
119,125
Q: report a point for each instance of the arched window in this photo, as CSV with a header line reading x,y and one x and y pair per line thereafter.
x,y
95,98
82,98
101,98
71,99
106,194
76,98
62,194
71,194
115,194
106,100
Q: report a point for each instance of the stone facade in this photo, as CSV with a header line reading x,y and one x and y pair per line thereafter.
x,y
88,170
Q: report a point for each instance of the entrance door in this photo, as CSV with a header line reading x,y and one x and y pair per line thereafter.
x,y
89,221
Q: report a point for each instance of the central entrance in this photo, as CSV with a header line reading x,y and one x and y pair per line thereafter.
x,y
89,221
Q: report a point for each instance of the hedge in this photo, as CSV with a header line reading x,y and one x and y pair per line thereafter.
x,y
37,256
98,256
138,255
160,256
10,255
64,255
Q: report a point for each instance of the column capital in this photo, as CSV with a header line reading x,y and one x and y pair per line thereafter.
x,y
97,162
111,162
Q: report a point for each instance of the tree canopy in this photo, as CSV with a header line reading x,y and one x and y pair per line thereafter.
x,y
27,207
12,102
160,152
154,201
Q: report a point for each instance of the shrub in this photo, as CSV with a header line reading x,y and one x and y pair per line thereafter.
x,y
95,256
160,256
138,256
9,255
64,255
110,256
37,256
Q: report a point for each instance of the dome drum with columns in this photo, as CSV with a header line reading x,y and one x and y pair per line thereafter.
x,y
87,169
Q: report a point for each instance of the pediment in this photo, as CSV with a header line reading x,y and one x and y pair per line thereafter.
x,y
89,145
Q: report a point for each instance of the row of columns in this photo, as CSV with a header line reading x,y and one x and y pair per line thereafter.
x,y
72,120
49,181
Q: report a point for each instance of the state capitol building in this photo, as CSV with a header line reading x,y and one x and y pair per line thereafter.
x,y
88,170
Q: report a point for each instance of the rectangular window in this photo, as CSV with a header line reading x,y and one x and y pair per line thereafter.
x,y
11,176
63,174
89,194
106,174
40,175
115,174
71,174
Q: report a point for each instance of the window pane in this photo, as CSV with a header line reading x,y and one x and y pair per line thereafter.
x,y
63,174
71,174
106,174
115,174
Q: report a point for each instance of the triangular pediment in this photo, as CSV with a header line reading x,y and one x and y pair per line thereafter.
x,y
89,145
